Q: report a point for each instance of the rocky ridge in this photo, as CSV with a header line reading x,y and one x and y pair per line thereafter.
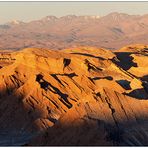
x,y
75,96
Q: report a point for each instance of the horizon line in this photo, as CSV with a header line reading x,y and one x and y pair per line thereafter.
x,y
58,17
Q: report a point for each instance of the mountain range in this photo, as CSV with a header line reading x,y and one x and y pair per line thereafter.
x,y
112,31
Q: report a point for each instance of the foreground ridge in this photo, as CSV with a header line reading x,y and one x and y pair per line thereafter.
x,y
76,96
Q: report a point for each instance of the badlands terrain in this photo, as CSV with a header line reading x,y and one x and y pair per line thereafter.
x,y
112,31
75,96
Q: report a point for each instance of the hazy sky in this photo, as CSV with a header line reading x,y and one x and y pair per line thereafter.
x,y
27,11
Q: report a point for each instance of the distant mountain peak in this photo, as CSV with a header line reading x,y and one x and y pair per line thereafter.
x,y
92,17
49,18
116,16
121,15
69,16
15,22
118,13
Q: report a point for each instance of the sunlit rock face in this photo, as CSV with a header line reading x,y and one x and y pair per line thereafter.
x,y
76,96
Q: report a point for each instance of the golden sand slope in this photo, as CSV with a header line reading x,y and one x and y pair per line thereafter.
x,y
78,96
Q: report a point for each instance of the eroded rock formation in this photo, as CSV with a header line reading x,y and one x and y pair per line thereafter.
x,y
77,96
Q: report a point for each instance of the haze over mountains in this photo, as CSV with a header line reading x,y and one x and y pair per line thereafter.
x,y
112,31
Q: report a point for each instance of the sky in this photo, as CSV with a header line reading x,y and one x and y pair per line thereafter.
x,y
28,11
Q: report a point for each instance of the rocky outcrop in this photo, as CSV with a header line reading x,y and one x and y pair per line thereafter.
x,y
71,97
107,118
6,58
